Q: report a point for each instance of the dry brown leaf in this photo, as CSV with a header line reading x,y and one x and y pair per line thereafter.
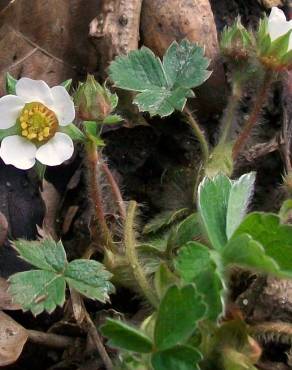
x,y
51,198
69,216
6,302
12,339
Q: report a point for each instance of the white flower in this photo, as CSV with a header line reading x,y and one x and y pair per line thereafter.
x,y
278,25
37,112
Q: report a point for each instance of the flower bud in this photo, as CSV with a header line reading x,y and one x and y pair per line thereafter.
x,y
236,41
94,102
274,41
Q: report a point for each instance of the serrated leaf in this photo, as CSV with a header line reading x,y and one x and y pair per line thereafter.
x,y
195,265
89,278
239,198
177,358
45,254
178,313
163,279
38,290
213,196
276,238
10,84
161,88
244,251
126,337
185,65
164,219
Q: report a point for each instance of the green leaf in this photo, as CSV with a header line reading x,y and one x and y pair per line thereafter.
x,y
177,358
67,84
126,337
213,196
10,84
163,279
112,119
276,238
186,231
178,314
185,65
45,254
37,290
164,219
44,289
244,251
163,87
73,131
239,198
89,278
195,265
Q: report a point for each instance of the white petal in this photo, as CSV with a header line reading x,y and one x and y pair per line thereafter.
x,y
63,105
10,108
56,151
277,24
34,90
18,151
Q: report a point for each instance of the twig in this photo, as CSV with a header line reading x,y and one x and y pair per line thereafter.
x,y
50,340
115,190
130,247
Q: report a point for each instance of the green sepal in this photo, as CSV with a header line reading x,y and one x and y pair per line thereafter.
x,y
279,47
91,129
67,84
73,131
10,83
9,132
40,170
112,119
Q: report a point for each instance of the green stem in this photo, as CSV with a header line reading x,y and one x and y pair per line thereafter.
x,y
130,246
199,134
95,195
254,115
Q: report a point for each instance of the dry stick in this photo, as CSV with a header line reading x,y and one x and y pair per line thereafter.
x,y
252,120
50,340
95,195
115,190
131,254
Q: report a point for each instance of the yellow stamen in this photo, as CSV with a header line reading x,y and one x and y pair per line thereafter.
x,y
38,123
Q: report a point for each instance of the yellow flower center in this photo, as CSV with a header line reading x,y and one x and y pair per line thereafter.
x,y
37,122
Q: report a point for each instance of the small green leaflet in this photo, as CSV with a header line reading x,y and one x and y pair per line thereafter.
x,y
162,87
44,289
125,336
222,205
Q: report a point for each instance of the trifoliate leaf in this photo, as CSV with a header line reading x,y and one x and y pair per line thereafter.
x,y
179,357
38,290
10,84
162,87
126,337
275,238
44,289
195,265
178,313
89,278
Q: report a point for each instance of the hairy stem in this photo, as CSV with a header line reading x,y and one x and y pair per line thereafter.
x,y
254,115
115,190
95,195
229,115
131,254
199,135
